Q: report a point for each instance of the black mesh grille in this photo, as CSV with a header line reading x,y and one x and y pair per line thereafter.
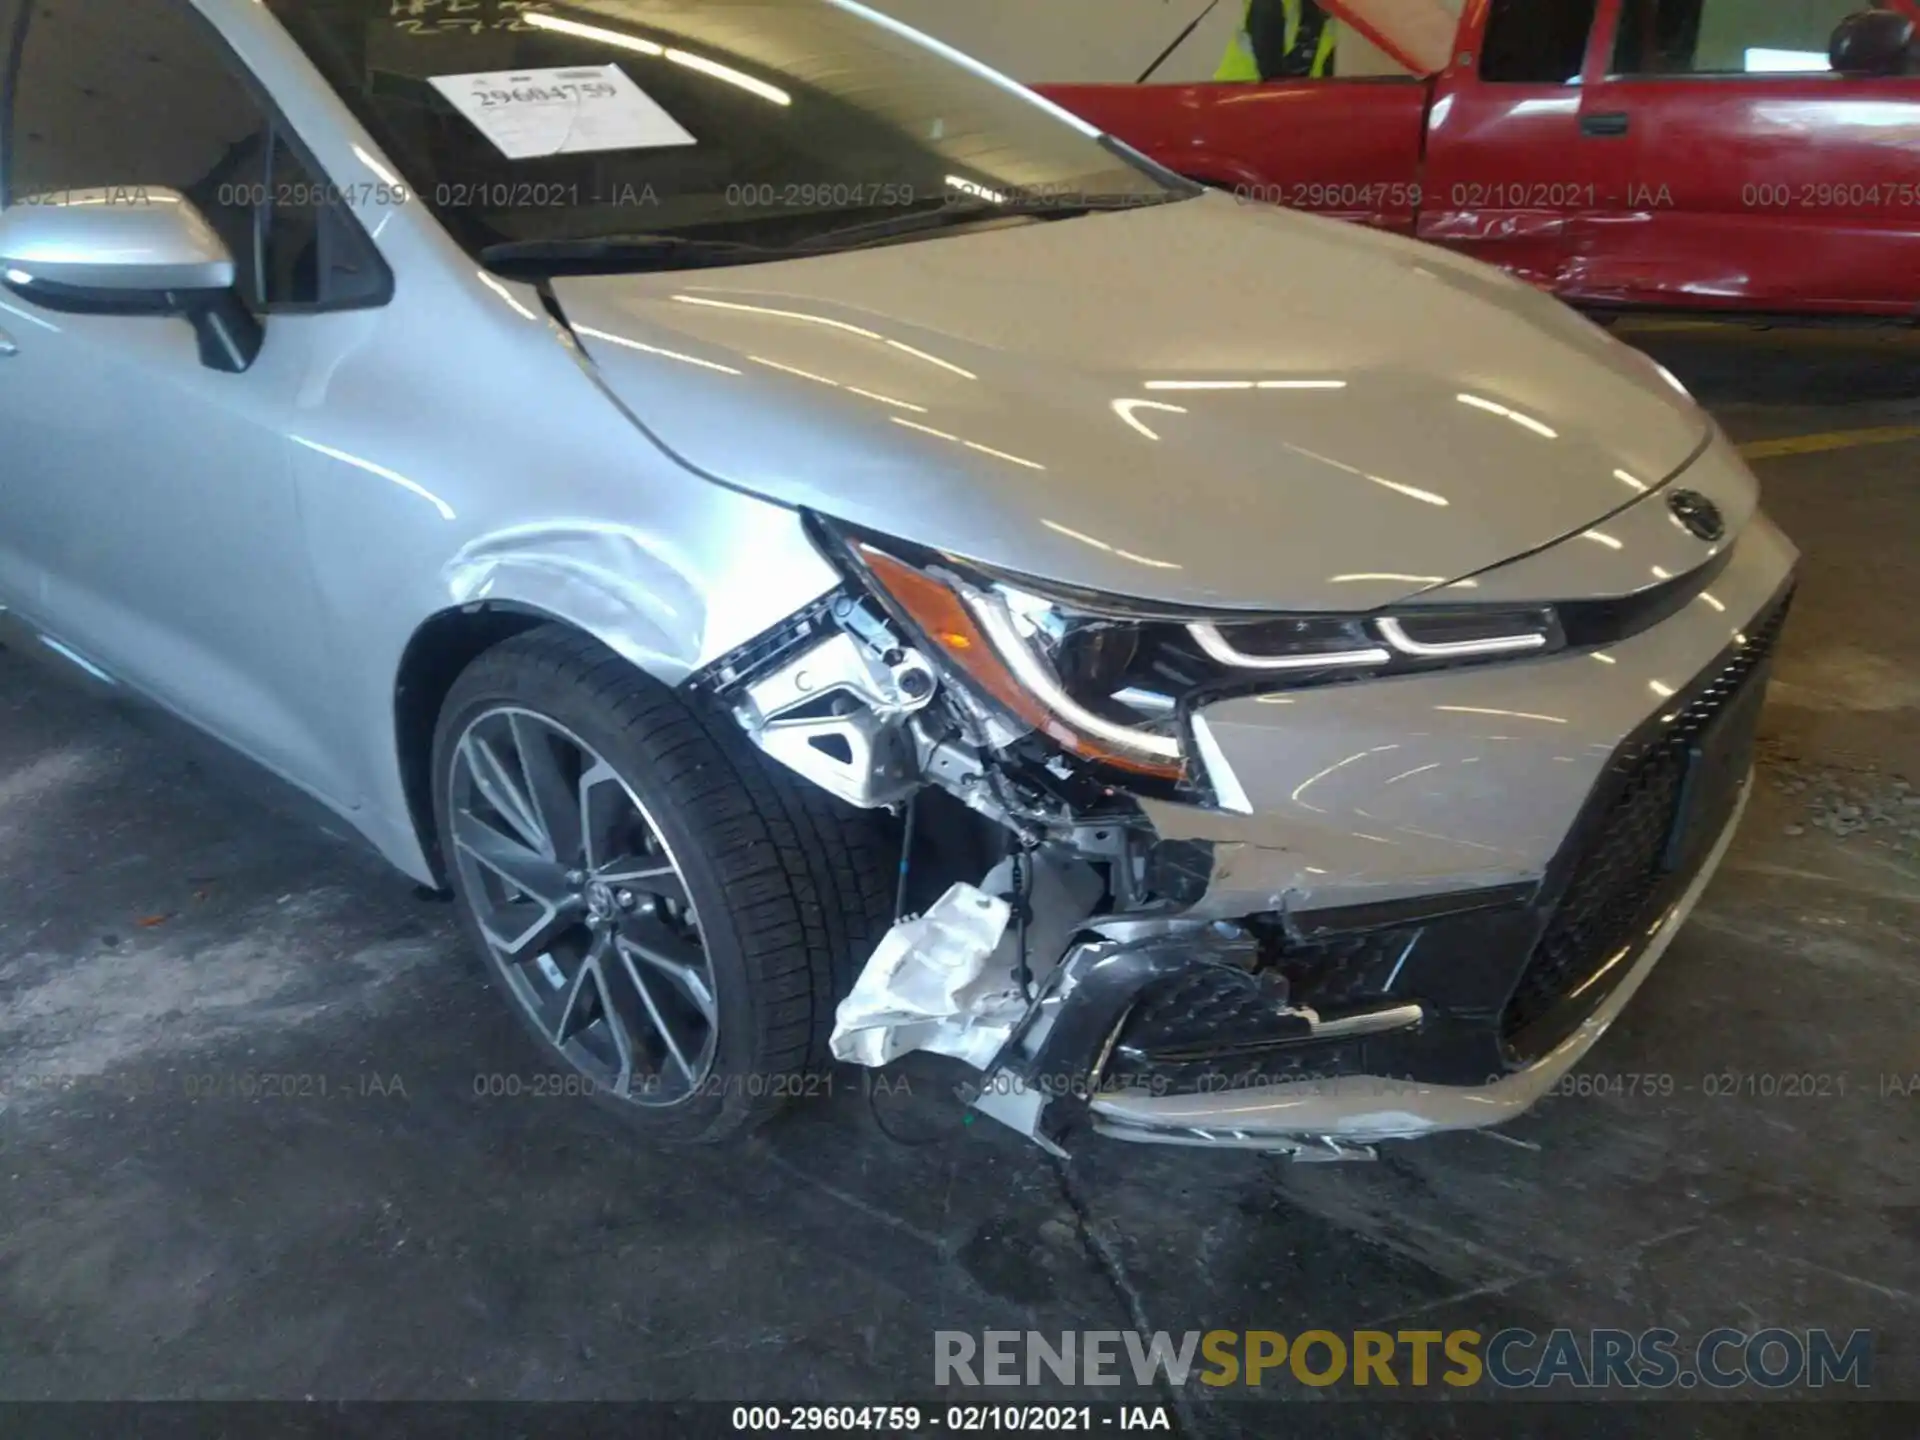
x,y
1215,1029
1620,880
1209,1007
1344,972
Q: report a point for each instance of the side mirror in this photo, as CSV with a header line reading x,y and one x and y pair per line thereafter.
x,y
130,252
1872,42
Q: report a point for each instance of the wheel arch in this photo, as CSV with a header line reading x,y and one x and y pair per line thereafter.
x,y
607,583
439,651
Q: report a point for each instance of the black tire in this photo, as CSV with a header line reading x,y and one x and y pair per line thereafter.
x,y
792,888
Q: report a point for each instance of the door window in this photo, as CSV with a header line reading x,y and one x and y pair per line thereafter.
x,y
142,93
1727,37
1536,42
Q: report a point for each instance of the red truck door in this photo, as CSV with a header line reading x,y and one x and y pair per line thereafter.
x,y
1505,167
1740,172
1345,145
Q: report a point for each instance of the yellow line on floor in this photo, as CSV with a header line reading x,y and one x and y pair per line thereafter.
x,y
1829,440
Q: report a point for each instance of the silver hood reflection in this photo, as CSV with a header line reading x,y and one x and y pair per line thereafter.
x,y
1200,403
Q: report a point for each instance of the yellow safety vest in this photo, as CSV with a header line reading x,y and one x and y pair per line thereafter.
x,y
1239,63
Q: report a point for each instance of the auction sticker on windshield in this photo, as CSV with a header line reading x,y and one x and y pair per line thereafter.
x,y
533,113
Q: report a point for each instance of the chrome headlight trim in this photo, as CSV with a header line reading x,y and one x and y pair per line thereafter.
x,y
996,622
1218,647
1119,682
1395,634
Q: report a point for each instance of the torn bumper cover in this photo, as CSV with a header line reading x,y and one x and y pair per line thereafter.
x,y
1317,1032
1166,1039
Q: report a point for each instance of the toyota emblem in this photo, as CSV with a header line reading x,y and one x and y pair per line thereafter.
x,y
1698,515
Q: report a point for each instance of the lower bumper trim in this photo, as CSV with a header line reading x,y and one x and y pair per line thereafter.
x,y
1369,1022
1324,1118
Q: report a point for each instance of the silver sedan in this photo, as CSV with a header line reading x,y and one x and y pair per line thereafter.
x,y
825,556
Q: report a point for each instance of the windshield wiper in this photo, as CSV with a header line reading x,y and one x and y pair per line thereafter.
x,y
665,250
624,252
971,212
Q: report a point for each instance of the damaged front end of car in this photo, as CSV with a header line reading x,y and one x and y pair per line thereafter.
x,y
1128,943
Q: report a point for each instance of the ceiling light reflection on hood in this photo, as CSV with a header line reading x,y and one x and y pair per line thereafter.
x,y
830,323
970,444
1199,384
625,343
837,385
1148,561
859,330
885,399
1502,714
1672,379
932,359
1412,492
1125,408
793,370
1246,384
1505,412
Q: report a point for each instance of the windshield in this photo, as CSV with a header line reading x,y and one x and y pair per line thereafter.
x,y
539,131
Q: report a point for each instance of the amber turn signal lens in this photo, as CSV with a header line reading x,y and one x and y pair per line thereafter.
x,y
945,619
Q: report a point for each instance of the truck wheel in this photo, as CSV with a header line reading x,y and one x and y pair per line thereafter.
x,y
671,915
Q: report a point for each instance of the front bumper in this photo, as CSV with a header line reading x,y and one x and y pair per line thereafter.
x,y
1328,1009
1324,1115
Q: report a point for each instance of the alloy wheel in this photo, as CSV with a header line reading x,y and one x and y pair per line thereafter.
x,y
583,906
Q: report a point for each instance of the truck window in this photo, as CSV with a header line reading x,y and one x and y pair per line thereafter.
x,y
1299,40
1727,37
1292,39
1536,42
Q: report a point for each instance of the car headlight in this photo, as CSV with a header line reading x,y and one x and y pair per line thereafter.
x,y
1113,681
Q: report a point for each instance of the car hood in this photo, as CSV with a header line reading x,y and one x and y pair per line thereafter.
x,y
1199,403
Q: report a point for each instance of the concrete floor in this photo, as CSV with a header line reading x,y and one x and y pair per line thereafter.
x,y
162,936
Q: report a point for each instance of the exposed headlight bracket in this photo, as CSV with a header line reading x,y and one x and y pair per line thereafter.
x,y
839,715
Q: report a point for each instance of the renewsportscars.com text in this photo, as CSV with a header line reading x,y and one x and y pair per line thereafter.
x,y
1721,1359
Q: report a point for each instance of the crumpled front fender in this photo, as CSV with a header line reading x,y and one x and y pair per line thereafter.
x,y
667,608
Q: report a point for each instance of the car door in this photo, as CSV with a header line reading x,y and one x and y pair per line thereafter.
x,y
147,506
1745,174
1506,169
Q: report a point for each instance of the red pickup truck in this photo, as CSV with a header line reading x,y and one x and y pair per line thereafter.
x,y
1703,154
